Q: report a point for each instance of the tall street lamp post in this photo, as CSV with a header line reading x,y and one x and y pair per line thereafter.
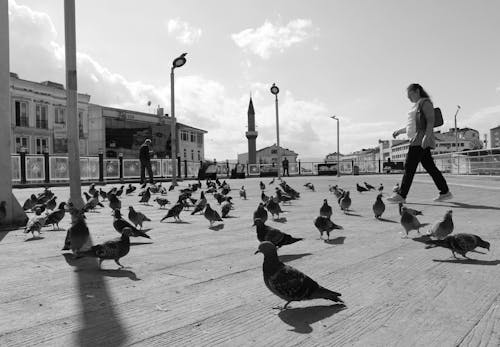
x,y
456,130
275,90
338,141
178,62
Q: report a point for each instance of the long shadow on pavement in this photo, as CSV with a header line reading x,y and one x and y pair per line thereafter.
x,y
459,205
468,261
336,241
387,220
301,318
101,325
290,257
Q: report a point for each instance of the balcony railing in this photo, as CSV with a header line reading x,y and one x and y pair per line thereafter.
x,y
42,124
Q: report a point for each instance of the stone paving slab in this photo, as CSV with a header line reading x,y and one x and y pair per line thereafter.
x,y
193,286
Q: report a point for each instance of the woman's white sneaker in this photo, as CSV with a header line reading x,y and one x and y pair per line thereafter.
x,y
396,199
443,197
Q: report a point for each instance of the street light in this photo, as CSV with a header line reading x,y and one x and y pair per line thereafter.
x,y
456,130
338,141
275,90
178,62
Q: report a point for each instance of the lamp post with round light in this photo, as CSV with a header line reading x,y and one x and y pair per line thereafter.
x,y
275,90
178,62
338,141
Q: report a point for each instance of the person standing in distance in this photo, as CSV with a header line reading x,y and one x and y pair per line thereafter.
x,y
145,158
421,135
285,167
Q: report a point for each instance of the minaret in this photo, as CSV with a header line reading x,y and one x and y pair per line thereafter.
x,y
251,134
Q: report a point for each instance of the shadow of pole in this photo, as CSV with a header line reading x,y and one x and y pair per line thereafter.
x,y
100,324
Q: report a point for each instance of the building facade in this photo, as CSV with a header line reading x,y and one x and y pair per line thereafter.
x,y
118,132
269,155
495,137
39,117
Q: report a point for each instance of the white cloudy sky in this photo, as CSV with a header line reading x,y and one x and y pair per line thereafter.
x,y
351,58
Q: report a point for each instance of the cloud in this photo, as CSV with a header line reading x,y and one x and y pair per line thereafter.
x,y
268,38
183,31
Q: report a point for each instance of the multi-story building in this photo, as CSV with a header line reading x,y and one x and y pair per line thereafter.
x,y
332,157
269,155
117,131
39,117
495,137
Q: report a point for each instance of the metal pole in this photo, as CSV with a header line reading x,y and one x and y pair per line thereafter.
x,y
456,130
338,149
71,104
173,133
278,136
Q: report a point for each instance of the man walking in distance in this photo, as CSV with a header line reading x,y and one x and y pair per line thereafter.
x,y
285,167
144,157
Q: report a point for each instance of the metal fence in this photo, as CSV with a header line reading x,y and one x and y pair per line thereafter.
x,y
46,168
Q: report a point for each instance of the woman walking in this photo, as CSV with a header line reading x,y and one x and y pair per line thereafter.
x,y
421,134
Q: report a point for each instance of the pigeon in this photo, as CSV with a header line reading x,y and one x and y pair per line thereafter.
x,y
369,186
87,196
325,210
289,283
395,189
119,192
137,217
264,197
380,187
410,210
162,201
29,203
51,203
92,189
200,204
172,186
378,206
225,190
310,186
226,207
114,249
119,224
260,213
219,197
325,224
56,216
282,197
278,238
345,202
272,182
243,193
146,196
361,189
36,223
103,194
130,189
92,203
442,228
114,202
211,215
273,207
461,243
175,211
410,222
262,185
78,234
3,211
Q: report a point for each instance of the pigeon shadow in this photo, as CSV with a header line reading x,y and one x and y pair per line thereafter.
x,y
387,220
353,214
179,222
140,243
291,257
460,205
228,217
301,318
468,261
34,238
424,239
336,241
216,227
280,220
119,273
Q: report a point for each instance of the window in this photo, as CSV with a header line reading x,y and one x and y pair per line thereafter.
x,y
192,136
185,153
40,144
59,116
41,116
199,156
274,151
199,140
21,113
184,135
22,141
80,125
192,154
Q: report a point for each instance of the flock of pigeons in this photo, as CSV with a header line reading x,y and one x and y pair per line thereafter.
x,y
283,280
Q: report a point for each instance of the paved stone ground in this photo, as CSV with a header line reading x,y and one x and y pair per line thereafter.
x,y
199,287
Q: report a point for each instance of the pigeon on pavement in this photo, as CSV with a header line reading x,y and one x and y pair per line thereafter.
x,y
461,243
381,187
119,224
162,201
410,222
361,189
262,185
410,210
325,210
212,215
200,204
137,217
442,228
345,201
78,234
114,202
56,216
175,211
325,224
145,197
260,213
278,238
378,206
289,283
273,207
243,193
113,250
225,208
369,186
